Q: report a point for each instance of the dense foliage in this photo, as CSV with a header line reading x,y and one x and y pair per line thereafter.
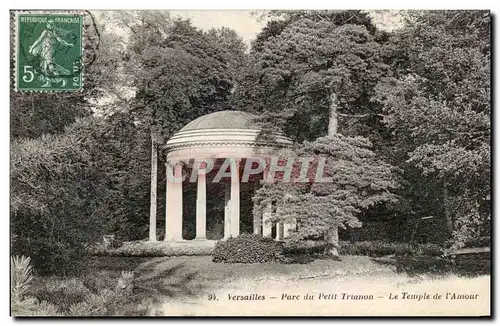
x,y
421,94
314,75
182,73
248,248
359,181
64,197
437,107
383,248
48,224
151,249
307,63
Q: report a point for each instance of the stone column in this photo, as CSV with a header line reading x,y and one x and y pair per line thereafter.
x,y
173,223
266,215
170,203
235,198
279,226
266,224
257,219
227,211
201,206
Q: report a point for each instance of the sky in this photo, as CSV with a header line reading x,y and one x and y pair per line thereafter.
x,y
247,26
246,23
239,20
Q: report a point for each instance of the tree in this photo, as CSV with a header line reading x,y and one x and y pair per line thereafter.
x,y
182,73
179,73
312,68
437,106
359,181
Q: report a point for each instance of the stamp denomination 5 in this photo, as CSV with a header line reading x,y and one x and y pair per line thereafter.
x,y
49,52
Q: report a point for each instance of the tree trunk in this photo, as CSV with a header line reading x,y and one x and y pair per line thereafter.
x,y
332,235
332,238
154,169
447,213
333,116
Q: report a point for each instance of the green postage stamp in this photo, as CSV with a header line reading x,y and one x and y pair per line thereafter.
x,y
49,52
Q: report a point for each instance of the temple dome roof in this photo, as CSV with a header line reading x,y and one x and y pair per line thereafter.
x,y
223,120
222,134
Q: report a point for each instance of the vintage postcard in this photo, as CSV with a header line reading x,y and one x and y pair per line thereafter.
x,y
250,163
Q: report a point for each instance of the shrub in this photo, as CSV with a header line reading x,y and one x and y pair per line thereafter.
x,y
248,248
99,280
299,247
110,241
125,283
380,248
21,274
62,292
32,307
63,296
108,300
63,196
152,249
105,296
54,257
54,190
428,249
479,242
464,265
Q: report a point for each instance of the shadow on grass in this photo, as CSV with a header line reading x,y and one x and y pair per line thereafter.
x,y
155,282
462,265
155,279
309,258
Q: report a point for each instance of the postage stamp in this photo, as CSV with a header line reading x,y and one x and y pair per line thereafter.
x,y
49,52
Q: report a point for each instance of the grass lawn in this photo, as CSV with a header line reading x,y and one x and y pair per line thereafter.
x,y
183,285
